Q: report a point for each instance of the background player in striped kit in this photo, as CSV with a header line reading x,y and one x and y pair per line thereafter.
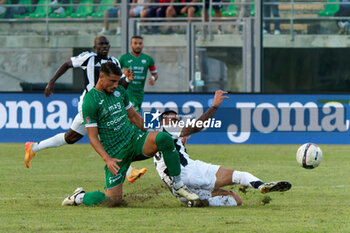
x,y
90,63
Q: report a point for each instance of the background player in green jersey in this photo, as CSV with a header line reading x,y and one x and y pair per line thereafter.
x,y
108,117
139,63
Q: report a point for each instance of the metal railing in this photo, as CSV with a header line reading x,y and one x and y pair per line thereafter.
x,y
292,19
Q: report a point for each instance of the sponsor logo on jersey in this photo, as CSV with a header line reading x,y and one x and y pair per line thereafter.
x,y
101,102
116,93
143,61
88,120
129,61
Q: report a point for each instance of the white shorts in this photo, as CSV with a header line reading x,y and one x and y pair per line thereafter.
x,y
78,122
199,175
2,10
137,10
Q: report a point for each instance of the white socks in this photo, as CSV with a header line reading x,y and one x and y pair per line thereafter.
x,y
245,178
55,141
79,198
222,201
128,171
177,182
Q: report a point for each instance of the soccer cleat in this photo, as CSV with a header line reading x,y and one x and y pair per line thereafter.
x,y
186,193
279,186
198,203
29,153
70,200
135,174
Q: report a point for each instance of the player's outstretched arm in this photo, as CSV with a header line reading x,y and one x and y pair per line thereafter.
x,y
218,98
135,118
96,144
50,86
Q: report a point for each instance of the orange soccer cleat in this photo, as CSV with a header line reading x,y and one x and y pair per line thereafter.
x,y
136,174
29,153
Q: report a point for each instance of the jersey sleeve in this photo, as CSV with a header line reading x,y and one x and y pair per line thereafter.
x,y
78,61
89,111
115,60
152,66
121,61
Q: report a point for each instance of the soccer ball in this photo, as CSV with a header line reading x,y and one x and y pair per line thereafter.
x,y
309,155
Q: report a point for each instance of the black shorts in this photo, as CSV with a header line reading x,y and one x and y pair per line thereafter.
x,y
213,6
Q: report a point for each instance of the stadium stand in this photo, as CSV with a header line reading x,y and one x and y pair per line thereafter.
x,y
4,14
101,9
67,12
300,11
29,8
252,10
231,10
41,11
329,10
84,9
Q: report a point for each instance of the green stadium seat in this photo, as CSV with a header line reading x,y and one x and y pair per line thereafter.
x,y
230,11
68,10
252,9
84,10
29,8
40,11
329,10
100,11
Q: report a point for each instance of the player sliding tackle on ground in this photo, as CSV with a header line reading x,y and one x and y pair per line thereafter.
x,y
202,178
108,116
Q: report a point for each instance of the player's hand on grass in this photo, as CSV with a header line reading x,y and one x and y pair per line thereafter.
x,y
49,89
112,165
129,74
219,97
151,80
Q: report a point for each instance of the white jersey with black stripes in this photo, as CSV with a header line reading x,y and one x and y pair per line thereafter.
x,y
90,63
158,159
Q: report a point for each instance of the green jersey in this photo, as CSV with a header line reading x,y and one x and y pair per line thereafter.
x,y
108,113
139,66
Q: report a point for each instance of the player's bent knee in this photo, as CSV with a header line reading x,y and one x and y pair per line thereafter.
x,y
72,137
164,141
114,202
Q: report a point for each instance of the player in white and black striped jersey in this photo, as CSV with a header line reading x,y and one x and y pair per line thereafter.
x,y
90,63
205,179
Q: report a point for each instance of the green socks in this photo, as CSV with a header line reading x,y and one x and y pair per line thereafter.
x,y
165,144
94,198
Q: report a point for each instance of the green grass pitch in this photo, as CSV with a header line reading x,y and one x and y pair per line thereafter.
x,y
30,199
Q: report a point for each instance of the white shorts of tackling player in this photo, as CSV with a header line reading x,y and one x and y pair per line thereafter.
x,y
199,175
78,122
200,178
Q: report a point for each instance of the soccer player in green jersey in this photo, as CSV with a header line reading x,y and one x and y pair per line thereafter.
x,y
108,117
139,63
